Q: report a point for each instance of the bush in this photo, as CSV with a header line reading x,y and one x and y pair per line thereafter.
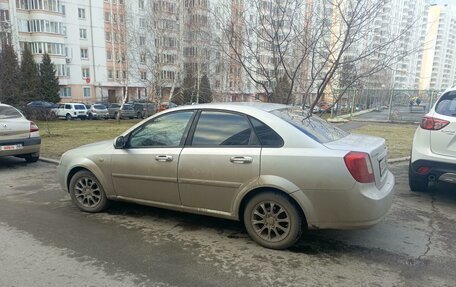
x,y
39,114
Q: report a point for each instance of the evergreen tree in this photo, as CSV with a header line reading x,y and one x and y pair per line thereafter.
x,y
9,76
49,81
281,91
205,93
30,79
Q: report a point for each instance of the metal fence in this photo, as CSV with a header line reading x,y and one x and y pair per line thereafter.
x,y
395,105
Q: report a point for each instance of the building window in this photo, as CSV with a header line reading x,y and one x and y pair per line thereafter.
x,y
85,72
143,76
108,55
142,58
84,53
82,13
65,92
142,40
83,33
107,16
141,4
142,23
86,91
110,74
108,36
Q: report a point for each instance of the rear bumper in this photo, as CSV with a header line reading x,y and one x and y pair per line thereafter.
x,y
29,145
437,170
361,207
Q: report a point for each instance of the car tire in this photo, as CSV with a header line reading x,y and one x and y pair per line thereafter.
x,y
90,117
32,157
68,117
281,225
115,115
415,184
139,116
87,192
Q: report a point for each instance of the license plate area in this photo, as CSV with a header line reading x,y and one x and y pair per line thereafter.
x,y
11,147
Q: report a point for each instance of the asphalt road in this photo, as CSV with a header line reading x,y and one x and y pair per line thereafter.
x,y
46,241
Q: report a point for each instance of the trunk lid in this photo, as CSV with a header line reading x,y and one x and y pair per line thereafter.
x,y
375,147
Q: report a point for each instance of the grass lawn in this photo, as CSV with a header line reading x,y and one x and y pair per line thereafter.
x,y
398,137
65,135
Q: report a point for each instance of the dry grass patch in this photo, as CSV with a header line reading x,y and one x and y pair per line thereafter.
x,y
65,135
398,137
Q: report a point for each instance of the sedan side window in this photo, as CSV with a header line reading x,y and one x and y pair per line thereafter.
x,y
223,129
165,131
267,136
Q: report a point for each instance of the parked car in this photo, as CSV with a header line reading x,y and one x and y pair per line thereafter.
x,y
143,110
39,110
41,105
433,156
269,165
324,107
126,112
71,111
166,105
18,136
97,111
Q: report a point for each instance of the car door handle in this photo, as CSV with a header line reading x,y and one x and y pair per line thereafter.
x,y
164,158
241,159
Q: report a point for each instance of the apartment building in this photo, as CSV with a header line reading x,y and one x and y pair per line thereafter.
x,y
438,60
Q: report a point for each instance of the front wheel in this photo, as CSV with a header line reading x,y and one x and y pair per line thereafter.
x,y
68,117
87,192
273,220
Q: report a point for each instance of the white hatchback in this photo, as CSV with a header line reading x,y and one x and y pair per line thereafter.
x,y
433,155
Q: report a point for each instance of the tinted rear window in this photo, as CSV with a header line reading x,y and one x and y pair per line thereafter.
x,y
313,126
9,113
447,105
99,107
79,107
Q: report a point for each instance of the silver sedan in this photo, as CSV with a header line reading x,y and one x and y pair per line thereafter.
x,y
18,136
277,168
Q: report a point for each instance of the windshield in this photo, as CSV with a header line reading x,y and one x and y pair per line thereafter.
x,y
9,113
99,107
313,126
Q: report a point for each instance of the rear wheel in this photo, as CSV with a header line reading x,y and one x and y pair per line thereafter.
x,y
68,117
139,115
416,184
33,157
90,117
87,192
273,220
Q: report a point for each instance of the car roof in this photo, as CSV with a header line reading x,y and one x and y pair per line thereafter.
x,y
237,106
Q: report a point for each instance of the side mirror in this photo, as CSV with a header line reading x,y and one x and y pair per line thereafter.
x,y
119,142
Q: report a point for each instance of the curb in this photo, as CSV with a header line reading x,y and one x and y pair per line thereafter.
x,y
49,160
390,161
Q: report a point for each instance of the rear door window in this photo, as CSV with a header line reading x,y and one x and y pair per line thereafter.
x,y
447,105
216,128
267,136
314,127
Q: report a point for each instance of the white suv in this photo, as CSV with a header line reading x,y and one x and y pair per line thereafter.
x,y
434,145
71,111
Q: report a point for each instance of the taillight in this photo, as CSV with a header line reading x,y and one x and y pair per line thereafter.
x,y
433,124
360,166
33,127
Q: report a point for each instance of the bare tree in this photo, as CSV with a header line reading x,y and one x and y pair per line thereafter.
x,y
309,42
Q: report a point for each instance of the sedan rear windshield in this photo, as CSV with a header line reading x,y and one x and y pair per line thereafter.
x,y
9,113
313,126
79,107
447,105
99,107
